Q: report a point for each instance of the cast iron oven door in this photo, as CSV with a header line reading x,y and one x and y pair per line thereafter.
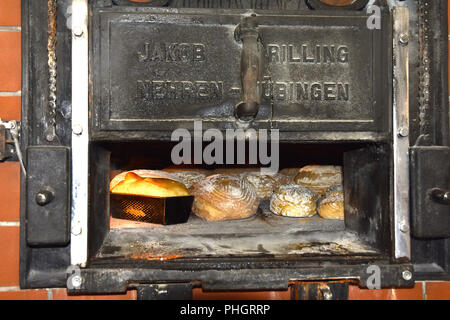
x,y
162,69
322,77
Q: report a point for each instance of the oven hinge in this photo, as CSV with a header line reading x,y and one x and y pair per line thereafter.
x,y
9,142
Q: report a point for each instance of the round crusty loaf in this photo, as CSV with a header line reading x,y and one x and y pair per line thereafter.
x,y
189,178
332,205
319,178
220,197
293,200
265,184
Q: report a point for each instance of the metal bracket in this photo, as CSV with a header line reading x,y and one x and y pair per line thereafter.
x,y
400,129
80,131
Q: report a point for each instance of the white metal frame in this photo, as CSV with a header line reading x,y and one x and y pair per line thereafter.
x,y
80,132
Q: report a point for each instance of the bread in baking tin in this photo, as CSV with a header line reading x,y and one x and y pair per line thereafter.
x,y
133,184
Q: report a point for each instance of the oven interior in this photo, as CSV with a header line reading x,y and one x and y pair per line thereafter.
x,y
363,235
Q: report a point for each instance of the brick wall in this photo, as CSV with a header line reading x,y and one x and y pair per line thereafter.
x,y
10,86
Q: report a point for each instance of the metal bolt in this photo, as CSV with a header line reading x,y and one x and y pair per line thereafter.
x,y
44,197
403,39
50,137
404,227
78,31
77,281
403,132
76,230
407,275
77,129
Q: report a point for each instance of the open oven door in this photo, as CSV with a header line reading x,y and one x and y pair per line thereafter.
x,y
45,251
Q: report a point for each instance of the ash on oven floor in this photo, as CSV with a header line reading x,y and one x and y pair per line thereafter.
x,y
262,235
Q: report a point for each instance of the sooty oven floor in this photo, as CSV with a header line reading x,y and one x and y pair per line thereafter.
x,y
263,235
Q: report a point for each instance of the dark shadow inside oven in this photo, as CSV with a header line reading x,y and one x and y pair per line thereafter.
x,y
365,233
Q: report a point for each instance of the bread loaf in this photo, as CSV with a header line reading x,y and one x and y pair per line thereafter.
x,y
332,204
143,173
319,178
264,184
133,184
220,197
294,201
189,178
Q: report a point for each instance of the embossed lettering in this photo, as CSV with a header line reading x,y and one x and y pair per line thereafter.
x,y
172,52
179,90
295,54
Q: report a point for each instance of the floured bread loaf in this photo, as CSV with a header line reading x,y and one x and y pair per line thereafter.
x,y
264,184
332,205
133,184
189,178
220,197
319,178
294,201
143,173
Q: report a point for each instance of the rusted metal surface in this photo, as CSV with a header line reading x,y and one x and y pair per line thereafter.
x,y
50,131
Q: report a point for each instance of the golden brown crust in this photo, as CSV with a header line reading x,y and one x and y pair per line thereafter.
x,y
319,178
332,205
220,197
294,201
264,184
143,173
133,184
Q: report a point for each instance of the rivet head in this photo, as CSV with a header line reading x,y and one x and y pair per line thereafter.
x,y
77,281
404,227
76,230
403,39
78,31
44,197
407,275
77,129
403,132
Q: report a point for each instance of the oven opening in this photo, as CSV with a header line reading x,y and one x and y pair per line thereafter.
x,y
363,234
